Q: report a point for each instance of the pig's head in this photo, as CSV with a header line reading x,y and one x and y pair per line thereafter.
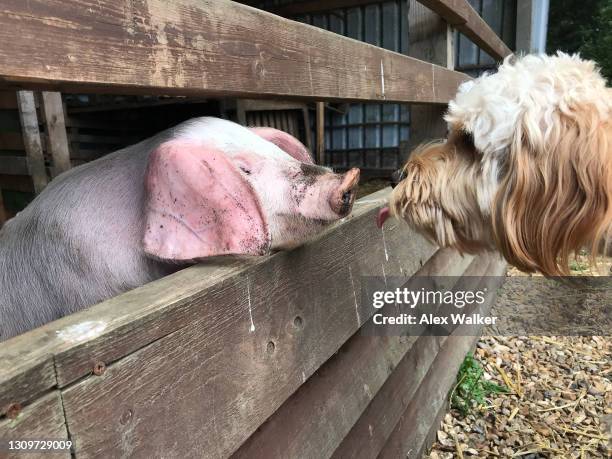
x,y
246,193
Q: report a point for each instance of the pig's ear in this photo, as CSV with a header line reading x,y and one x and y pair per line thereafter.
x,y
285,142
198,205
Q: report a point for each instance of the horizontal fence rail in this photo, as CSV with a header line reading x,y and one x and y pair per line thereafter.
x,y
198,47
228,343
461,15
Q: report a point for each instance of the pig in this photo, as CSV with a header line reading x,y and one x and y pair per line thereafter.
x,y
205,188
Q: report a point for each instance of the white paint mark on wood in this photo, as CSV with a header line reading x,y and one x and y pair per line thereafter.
x,y
384,273
371,201
382,78
81,332
384,244
433,81
252,327
355,297
371,430
303,377
310,74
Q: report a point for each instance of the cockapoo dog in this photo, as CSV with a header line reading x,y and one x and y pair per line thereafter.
x,y
526,168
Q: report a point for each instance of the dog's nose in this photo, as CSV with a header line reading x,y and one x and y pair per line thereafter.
x,y
397,177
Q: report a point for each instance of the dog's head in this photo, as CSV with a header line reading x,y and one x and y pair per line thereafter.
x,y
526,167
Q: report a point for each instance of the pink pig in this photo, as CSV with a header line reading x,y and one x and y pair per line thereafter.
x,y
207,187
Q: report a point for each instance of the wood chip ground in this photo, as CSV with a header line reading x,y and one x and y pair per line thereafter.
x,y
560,404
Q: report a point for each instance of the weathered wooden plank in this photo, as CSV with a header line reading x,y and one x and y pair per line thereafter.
x,y
11,141
432,436
118,327
14,165
42,420
31,140
26,379
416,421
320,132
350,379
466,20
220,372
312,423
176,298
453,11
193,47
57,140
413,426
371,431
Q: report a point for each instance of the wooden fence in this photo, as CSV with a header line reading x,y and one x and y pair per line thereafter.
x,y
254,359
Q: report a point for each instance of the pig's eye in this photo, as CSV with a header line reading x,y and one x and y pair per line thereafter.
x,y
245,170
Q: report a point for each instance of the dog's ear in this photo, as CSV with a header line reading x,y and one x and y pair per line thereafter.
x,y
555,194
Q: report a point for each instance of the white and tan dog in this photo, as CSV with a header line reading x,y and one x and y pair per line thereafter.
x,y
526,167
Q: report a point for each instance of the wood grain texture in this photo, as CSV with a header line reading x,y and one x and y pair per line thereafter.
x,y
465,19
348,380
320,132
453,11
370,433
31,140
24,377
69,348
57,140
42,420
202,47
222,375
415,423
412,429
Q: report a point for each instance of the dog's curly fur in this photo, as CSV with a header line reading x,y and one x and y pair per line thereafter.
x,y
526,167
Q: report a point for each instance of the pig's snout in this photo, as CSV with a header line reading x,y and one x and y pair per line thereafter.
x,y
341,200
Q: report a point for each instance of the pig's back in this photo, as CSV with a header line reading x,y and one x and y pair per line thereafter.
x,y
78,243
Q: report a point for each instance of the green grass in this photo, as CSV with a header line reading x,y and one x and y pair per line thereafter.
x,y
472,389
576,265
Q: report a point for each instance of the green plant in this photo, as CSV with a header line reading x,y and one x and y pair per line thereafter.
x,y
576,265
472,389
583,26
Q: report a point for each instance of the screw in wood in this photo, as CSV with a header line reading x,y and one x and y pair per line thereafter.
x,y
13,410
99,368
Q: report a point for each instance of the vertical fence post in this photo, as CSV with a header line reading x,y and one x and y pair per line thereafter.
x,y
55,127
321,133
431,40
31,139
